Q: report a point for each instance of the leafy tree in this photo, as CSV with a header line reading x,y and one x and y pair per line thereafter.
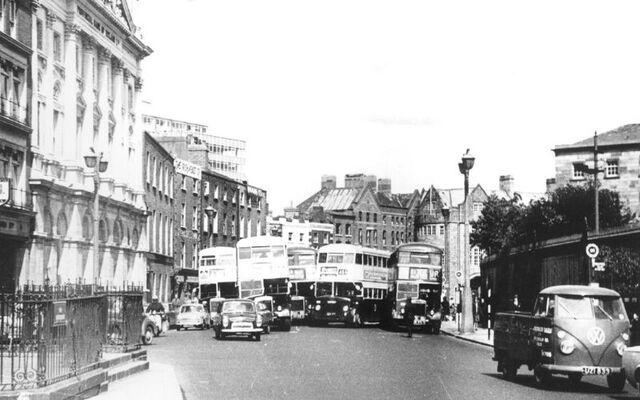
x,y
622,270
507,223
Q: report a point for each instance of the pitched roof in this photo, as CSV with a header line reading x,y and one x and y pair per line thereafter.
x,y
626,134
388,200
331,199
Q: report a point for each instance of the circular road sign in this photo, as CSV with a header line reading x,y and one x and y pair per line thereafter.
x,y
458,274
592,250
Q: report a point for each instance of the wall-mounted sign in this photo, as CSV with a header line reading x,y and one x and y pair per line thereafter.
x,y
186,168
5,190
59,313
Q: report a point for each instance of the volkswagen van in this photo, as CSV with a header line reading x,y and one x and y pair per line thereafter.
x,y
573,331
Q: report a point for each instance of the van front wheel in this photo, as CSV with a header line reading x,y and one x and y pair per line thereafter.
x,y
509,370
616,382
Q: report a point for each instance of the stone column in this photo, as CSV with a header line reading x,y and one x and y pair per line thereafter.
x,y
104,60
88,50
71,153
35,5
119,172
136,137
46,139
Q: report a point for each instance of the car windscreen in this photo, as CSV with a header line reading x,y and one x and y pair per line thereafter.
x,y
238,307
186,309
595,307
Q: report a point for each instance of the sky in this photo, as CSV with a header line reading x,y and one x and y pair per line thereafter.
x,y
396,89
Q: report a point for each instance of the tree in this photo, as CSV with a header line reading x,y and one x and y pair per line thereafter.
x,y
504,224
622,270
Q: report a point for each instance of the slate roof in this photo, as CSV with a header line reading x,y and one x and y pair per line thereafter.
x,y
331,199
626,134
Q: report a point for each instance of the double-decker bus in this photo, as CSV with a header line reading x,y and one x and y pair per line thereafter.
x,y
263,270
418,270
302,275
358,273
218,273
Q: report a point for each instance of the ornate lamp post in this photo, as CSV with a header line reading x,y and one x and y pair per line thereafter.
x,y
467,317
95,162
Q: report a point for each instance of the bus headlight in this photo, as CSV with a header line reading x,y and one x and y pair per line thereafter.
x,y
317,307
567,346
345,308
431,312
621,348
279,308
225,321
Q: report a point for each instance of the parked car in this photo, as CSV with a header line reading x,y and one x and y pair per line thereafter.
x,y
237,317
264,307
193,316
214,304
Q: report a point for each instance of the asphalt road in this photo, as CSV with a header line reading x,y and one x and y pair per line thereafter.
x,y
340,363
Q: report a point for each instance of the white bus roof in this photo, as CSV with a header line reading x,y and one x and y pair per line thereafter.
x,y
418,247
261,241
218,250
352,248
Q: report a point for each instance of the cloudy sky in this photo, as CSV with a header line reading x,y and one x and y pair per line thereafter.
x,y
398,89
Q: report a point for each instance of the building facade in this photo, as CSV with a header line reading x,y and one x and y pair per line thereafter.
x,y
225,156
87,83
187,225
159,199
16,208
301,232
618,156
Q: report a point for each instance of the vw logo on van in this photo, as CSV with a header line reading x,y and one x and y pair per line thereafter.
x,y
596,336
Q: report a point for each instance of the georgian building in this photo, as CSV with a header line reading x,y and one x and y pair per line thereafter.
x,y
618,156
159,199
87,83
16,212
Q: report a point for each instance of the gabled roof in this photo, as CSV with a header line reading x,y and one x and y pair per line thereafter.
x,y
388,200
624,135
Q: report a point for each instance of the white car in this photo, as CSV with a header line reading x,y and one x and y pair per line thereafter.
x,y
193,316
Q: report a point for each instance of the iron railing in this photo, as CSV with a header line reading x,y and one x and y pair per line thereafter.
x,y
51,333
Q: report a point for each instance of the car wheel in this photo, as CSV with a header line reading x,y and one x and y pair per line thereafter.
x,y
543,377
436,329
257,336
267,329
616,382
178,327
217,333
147,338
509,370
286,325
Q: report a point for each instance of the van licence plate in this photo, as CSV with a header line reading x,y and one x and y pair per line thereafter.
x,y
596,371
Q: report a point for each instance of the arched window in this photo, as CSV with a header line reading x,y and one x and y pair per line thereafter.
x,y
87,233
117,232
61,224
102,231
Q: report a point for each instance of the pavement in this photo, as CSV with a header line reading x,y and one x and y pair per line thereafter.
x,y
159,382
480,335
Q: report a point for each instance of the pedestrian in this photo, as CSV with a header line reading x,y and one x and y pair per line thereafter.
x,y
445,309
408,316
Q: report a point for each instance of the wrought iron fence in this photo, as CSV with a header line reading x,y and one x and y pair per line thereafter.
x,y
50,333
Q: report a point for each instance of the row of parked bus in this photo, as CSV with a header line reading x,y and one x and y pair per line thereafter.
x,y
335,283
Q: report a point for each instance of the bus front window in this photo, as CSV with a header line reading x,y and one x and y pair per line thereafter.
x,y
407,290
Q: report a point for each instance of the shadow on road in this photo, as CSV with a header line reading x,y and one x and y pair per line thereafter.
x,y
559,384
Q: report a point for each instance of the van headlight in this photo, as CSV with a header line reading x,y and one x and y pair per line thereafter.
x,y
317,307
621,348
225,321
345,308
567,346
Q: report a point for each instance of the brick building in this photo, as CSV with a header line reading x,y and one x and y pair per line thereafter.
x,y
301,232
159,199
16,211
187,213
618,155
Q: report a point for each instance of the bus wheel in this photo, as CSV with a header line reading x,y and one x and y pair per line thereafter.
x,y
616,382
286,325
436,329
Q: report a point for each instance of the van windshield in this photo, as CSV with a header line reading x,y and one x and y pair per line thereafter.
x,y
578,307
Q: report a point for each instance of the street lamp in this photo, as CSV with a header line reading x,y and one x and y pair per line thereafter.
x,y
446,212
98,165
211,214
467,317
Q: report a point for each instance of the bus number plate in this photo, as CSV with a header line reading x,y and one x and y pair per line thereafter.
x,y
596,371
